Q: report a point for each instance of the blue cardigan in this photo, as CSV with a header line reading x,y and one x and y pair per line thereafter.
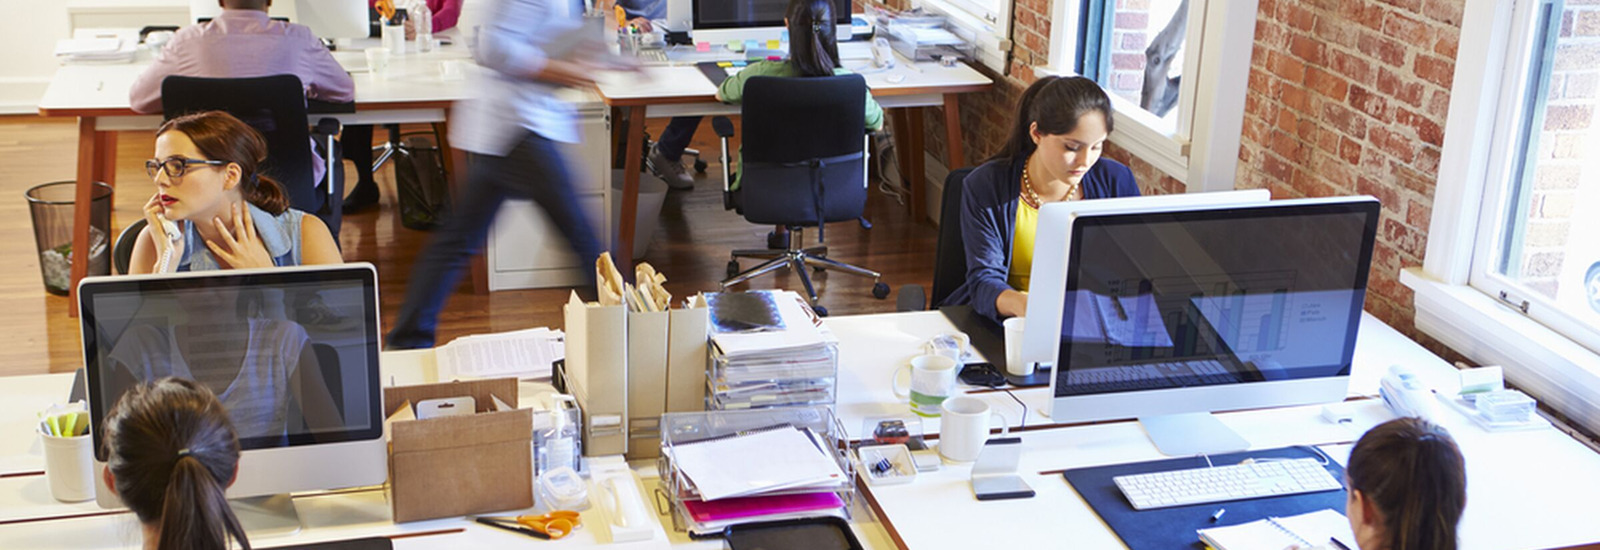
x,y
989,218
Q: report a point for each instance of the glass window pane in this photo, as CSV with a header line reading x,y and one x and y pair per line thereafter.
x,y
1136,50
1550,236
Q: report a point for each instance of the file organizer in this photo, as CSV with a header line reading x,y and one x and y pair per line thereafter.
x,y
775,381
684,428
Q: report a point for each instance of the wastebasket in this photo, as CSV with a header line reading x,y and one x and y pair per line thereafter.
x,y
52,207
652,193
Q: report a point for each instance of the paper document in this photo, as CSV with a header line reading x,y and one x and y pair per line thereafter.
x,y
1307,530
523,353
760,462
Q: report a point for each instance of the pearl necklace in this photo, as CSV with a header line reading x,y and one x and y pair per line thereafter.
x,y
1032,197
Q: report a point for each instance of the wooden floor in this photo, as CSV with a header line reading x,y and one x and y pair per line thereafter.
x,y
691,248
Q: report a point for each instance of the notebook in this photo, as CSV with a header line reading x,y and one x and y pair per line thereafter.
x,y
1310,530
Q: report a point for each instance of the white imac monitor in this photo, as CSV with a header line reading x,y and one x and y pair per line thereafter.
x,y
723,21
328,19
1168,315
246,334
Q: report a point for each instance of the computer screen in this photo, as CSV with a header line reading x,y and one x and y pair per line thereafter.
x,y
753,13
292,354
1210,309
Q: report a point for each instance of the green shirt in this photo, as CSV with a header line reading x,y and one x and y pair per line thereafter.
x,y
732,92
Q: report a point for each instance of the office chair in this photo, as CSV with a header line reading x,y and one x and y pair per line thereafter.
x,y
122,251
804,165
950,254
276,107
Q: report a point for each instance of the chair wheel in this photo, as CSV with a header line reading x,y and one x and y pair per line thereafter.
x,y
821,311
733,268
880,290
700,166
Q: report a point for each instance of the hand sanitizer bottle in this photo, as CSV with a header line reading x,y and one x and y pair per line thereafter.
x,y
558,445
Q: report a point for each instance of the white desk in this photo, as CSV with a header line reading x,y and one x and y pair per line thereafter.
x,y
669,91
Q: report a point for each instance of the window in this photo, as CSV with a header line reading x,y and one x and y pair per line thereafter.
x,y
1512,270
1178,106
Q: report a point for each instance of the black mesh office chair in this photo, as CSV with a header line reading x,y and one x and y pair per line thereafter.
x,y
276,107
950,254
804,165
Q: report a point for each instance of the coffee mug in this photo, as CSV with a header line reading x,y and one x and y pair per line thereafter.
x,y
933,378
964,428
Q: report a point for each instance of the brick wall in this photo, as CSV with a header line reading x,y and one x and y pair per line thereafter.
x,y
1563,152
1350,97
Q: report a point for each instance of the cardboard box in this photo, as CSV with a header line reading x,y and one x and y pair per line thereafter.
x,y
686,358
459,465
647,381
596,373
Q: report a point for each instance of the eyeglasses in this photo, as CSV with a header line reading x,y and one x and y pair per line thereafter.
x,y
176,167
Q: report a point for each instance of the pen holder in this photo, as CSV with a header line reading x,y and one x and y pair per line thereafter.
x,y
69,467
394,36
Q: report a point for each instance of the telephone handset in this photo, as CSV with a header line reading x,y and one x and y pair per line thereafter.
x,y
170,228
1405,394
882,54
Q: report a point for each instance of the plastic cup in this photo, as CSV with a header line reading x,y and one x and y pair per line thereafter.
x,y
1014,363
69,467
378,62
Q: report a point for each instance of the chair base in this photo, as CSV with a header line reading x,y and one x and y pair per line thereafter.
x,y
798,259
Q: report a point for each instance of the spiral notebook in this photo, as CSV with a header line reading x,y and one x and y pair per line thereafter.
x,y
1312,530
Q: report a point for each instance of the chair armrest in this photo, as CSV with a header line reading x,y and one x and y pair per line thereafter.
x,y
911,298
722,126
327,126
724,129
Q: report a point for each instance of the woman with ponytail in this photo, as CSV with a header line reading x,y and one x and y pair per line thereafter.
x,y
228,215
1408,487
813,51
1052,154
172,454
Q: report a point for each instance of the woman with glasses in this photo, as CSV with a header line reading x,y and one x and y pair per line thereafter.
x,y
226,214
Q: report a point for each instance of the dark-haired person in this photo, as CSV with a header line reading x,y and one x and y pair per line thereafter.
x,y
229,215
1052,154
172,454
813,51
1408,487
243,42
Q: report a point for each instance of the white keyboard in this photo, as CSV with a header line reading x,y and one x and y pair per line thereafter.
x,y
1224,483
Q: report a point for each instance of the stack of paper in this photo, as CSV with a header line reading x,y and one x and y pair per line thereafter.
x,y
780,473
522,353
95,50
768,348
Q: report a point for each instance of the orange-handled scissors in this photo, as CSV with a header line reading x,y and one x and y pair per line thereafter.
x,y
557,524
385,8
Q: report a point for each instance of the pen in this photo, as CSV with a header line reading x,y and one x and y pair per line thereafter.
x,y
1218,515
523,530
1337,544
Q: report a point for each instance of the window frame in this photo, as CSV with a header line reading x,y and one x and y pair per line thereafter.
x,y
1458,302
1201,148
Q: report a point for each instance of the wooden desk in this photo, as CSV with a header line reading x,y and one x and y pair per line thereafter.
x,y
97,95
671,91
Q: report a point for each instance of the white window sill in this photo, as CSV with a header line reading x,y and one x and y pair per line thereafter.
x,y
1552,368
1151,139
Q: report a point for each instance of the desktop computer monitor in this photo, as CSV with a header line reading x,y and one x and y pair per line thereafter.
x,y
328,19
722,21
252,336
1168,315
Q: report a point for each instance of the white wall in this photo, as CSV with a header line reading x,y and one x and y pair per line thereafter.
x,y
26,48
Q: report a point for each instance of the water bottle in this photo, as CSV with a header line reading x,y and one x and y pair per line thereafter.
x,y
424,22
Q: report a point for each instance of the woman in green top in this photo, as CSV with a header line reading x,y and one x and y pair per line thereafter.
x,y
813,51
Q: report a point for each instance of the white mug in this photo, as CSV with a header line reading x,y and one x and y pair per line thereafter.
x,y
1014,363
964,428
933,378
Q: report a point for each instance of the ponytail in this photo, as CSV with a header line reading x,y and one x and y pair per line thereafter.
x,y
196,512
220,136
813,46
1055,103
173,452
1414,475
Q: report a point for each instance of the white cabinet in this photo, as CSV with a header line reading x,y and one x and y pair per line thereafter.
x,y
132,14
525,250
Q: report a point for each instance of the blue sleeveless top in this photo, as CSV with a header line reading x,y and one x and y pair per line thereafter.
x,y
280,234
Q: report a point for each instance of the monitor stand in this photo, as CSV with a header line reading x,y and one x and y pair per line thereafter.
x,y
268,516
1190,434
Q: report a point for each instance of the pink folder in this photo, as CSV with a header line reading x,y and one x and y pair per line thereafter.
x,y
744,507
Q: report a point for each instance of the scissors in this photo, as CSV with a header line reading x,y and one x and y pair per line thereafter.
x,y
553,525
385,8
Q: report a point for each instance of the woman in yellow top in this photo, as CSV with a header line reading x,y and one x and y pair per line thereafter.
x,y
1051,155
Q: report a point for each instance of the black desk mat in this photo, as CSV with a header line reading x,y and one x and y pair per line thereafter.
x,y
1174,528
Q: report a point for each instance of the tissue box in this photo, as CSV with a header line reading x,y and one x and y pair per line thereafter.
x,y
458,465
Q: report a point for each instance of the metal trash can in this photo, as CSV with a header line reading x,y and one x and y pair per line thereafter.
x,y
52,207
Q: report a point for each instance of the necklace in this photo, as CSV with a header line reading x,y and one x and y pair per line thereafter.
x,y
1032,197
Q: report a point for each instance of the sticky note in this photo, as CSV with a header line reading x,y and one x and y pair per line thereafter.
x,y
751,44
740,63
785,36
735,46
724,64
702,46
774,44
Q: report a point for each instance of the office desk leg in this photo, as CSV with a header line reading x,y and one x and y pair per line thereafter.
x,y
630,192
914,148
453,160
89,156
106,161
952,132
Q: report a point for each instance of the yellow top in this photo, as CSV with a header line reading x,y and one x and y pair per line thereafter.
x,y
1022,246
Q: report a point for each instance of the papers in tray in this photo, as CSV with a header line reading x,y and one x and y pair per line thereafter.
x,y
801,329
521,353
761,462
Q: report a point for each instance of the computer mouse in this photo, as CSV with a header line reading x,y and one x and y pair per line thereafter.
x,y
895,78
